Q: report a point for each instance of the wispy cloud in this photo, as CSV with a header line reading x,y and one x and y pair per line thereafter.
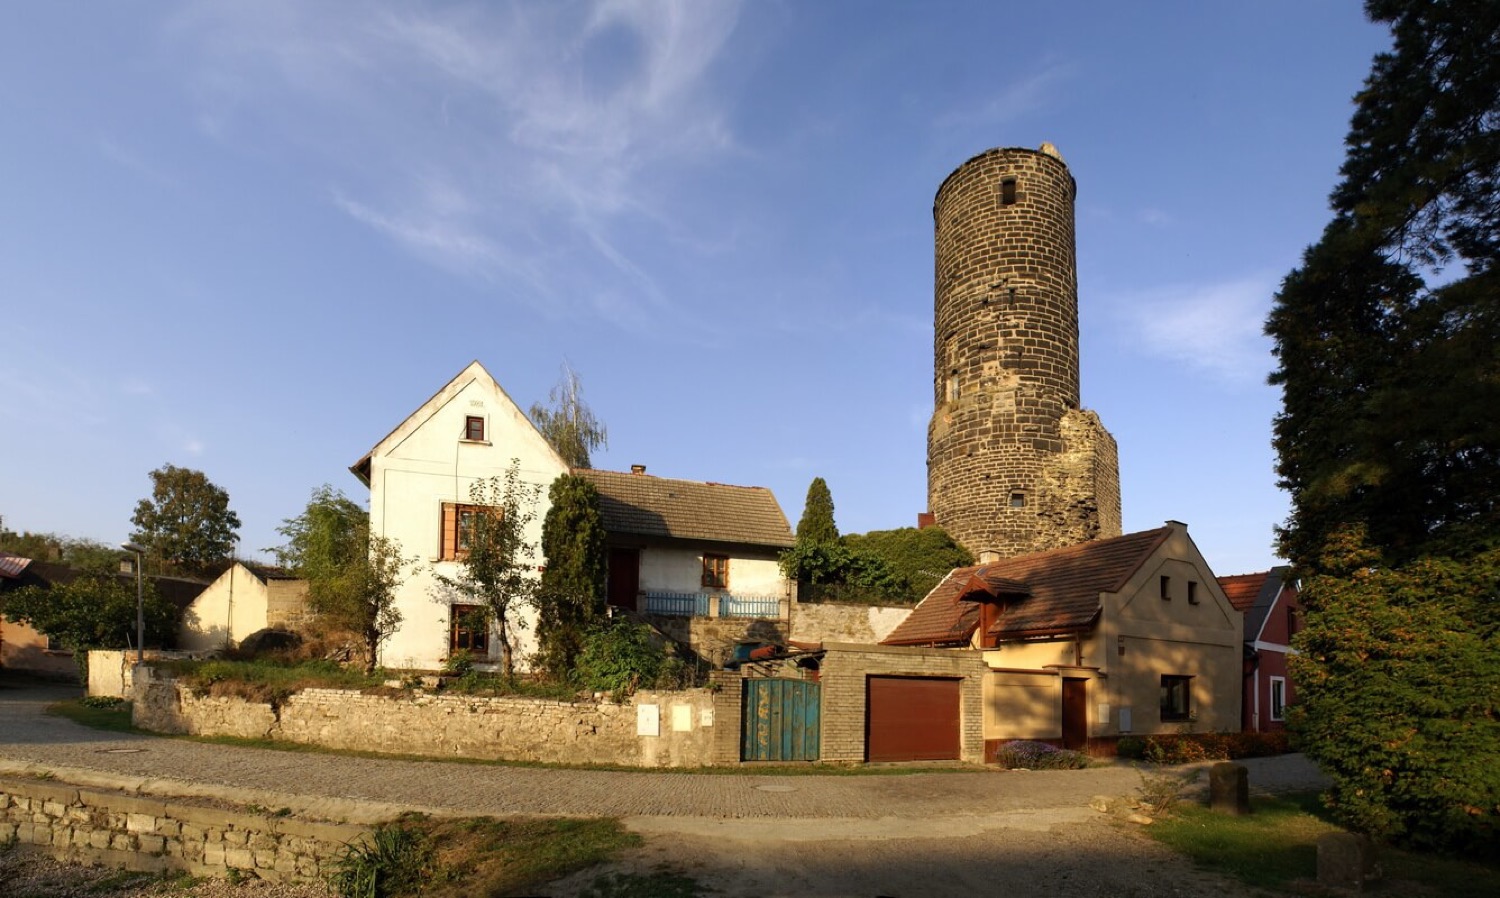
x,y
479,136
1014,99
1213,328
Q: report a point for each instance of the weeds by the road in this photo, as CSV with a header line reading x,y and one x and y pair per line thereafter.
x,y
474,857
88,711
1276,848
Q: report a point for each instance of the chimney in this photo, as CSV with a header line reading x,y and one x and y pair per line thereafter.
x,y
637,469
925,519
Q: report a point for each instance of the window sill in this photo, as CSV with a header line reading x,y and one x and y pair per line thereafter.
x,y
475,442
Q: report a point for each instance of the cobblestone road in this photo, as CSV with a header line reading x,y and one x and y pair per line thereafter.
x,y
30,738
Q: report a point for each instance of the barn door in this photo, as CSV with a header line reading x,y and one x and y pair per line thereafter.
x,y
780,720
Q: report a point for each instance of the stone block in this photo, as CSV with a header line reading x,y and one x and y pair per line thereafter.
x,y
1346,861
152,844
140,823
1229,788
100,838
213,855
239,858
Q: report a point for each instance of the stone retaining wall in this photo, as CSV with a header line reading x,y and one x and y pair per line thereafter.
x,y
99,827
653,729
845,623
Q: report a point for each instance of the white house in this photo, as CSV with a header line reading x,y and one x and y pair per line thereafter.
x,y
244,599
419,478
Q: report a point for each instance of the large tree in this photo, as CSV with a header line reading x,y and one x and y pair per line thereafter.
x,y
497,569
1386,335
186,523
569,424
352,576
1388,345
571,595
78,552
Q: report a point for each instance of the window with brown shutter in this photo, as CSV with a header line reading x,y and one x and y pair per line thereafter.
x,y
457,528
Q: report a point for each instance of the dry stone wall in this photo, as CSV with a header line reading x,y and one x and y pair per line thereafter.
x,y
99,827
653,729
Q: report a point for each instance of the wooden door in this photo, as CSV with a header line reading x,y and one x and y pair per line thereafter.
x,y
780,720
1075,713
911,719
624,577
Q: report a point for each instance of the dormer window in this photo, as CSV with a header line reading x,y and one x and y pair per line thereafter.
x,y
474,428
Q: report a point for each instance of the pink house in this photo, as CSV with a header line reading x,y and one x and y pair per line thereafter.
x,y
1272,616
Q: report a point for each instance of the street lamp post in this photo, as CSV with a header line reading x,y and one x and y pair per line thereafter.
x,y
140,603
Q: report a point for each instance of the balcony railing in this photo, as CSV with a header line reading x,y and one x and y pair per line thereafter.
x,y
702,604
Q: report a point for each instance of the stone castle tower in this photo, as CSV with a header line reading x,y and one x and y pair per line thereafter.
x,y
1014,466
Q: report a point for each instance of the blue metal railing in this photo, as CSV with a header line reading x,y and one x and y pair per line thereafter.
x,y
750,606
677,604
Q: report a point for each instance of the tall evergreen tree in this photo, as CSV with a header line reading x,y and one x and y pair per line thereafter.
x,y
1386,335
816,525
570,598
1388,341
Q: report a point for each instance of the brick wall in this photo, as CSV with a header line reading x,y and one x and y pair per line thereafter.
x,y
98,827
1006,365
845,669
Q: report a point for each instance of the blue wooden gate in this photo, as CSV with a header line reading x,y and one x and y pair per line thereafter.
x,y
779,720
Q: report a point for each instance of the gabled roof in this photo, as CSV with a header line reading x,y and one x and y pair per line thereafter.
x,y
644,505
1064,586
11,565
472,372
1255,595
266,572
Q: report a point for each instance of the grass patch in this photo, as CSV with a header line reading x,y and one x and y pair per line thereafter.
x,y
660,884
1276,848
114,716
475,857
266,681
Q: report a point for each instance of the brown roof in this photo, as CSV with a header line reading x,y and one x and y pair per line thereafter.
x,y
643,505
1064,587
1241,589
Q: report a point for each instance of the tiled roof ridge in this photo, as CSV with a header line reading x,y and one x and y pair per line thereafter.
x,y
659,478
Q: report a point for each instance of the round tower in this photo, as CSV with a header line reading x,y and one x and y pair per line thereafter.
x,y
1013,465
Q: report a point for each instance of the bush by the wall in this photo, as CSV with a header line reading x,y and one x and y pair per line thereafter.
x,y
1038,756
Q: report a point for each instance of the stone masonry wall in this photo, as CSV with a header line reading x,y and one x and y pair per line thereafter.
x,y
451,725
845,623
1006,360
99,827
845,669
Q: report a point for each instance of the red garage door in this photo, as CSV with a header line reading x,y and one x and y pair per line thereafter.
x,y
911,719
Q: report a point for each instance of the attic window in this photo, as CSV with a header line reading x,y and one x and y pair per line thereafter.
x,y
1192,592
1166,588
474,428
1017,500
1008,192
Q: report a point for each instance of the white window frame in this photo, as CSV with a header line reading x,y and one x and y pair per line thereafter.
x,y
1278,698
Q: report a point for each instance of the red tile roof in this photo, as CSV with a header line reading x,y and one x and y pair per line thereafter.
x,y
1241,589
1064,587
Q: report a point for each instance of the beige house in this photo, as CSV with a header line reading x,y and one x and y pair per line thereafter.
x,y
419,477
1125,636
244,599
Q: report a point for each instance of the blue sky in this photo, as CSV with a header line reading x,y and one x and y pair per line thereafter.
x,y
251,237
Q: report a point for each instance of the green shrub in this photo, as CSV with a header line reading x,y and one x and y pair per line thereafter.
x,y
620,656
393,861
1131,748
1397,678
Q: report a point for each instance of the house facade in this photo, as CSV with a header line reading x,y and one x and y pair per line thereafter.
x,y
419,477
244,599
1273,616
1125,636
699,559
